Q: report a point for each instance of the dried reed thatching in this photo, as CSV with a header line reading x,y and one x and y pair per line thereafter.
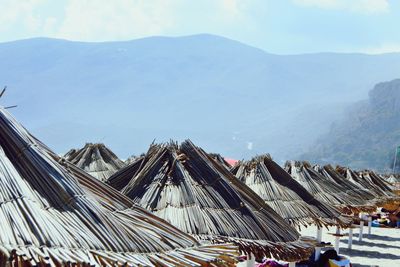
x,y
339,176
356,179
96,159
54,214
285,195
130,159
364,197
185,186
392,179
376,195
122,177
389,195
327,190
221,160
378,181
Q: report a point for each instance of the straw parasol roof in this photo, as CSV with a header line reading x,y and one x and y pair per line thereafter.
x,y
393,179
354,190
378,181
327,190
52,213
388,191
285,195
96,159
376,194
339,176
122,177
220,159
185,186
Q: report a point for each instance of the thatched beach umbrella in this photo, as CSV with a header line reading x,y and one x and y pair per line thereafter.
x,y
220,159
327,190
341,179
185,186
122,177
376,195
359,181
389,191
392,179
96,159
285,195
378,181
54,214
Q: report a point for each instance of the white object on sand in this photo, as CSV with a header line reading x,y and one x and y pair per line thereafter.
x,y
350,242
361,230
251,260
337,239
369,225
319,239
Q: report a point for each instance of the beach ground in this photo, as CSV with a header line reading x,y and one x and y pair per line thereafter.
x,y
381,248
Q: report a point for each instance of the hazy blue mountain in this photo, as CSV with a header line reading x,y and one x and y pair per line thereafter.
x,y
369,134
227,96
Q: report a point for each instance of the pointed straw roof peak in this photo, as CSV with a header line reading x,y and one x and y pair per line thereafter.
x,y
365,182
96,159
327,190
279,190
185,186
220,159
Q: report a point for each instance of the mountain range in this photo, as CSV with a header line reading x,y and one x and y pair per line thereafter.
x,y
226,96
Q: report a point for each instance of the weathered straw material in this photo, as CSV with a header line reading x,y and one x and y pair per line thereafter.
x,y
54,214
327,190
122,177
378,181
132,158
392,179
376,195
185,186
356,179
285,195
220,159
96,159
387,190
339,176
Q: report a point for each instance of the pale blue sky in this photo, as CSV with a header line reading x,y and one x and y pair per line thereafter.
x,y
277,26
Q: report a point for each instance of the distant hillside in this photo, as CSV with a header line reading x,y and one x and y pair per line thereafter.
x,y
226,96
367,138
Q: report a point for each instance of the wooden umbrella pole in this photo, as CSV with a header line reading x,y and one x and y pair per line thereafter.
x,y
319,234
337,239
369,224
350,242
319,240
361,230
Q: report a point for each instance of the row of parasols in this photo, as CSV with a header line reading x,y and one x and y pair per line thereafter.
x,y
177,205
291,196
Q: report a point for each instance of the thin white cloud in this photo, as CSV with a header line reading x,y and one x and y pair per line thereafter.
x,y
383,48
100,20
19,12
250,145
104,20
232,8
361,6
49,24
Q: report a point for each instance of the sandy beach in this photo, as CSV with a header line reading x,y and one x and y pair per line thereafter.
x,y
381,248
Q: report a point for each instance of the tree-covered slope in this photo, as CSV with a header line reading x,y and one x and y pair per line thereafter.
x,y
369,134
